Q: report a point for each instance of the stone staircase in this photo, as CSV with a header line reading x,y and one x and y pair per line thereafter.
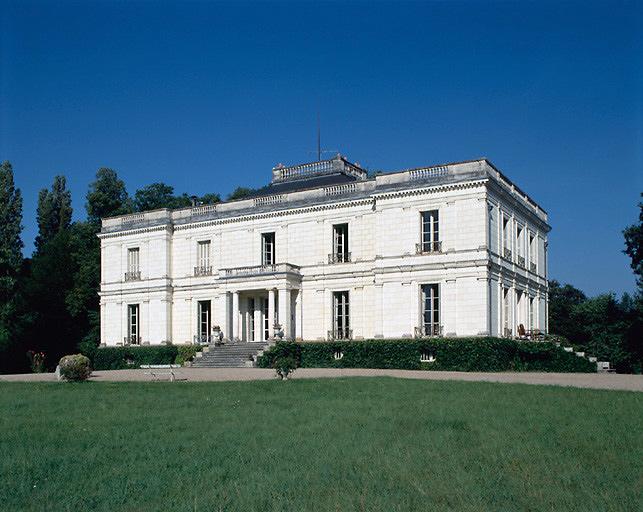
x,y
233,355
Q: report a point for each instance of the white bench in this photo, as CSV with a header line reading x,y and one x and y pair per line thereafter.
x,y
158,370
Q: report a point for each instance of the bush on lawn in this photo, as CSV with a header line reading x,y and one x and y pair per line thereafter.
x,y
456,354
186,353
76,367
284,366
121,358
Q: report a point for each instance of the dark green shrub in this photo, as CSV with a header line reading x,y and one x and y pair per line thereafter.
x,y
483,354
186,353
120,358
76,367
284,366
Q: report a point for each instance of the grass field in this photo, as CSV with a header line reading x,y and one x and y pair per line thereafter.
x,y
335,444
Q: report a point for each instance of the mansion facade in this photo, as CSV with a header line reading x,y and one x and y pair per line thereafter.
x,y
326,252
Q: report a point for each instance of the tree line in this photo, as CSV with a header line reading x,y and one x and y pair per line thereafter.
x,y
49,301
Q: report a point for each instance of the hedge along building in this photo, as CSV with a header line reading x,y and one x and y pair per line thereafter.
x,y
325,252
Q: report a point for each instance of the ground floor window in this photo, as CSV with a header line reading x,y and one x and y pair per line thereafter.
x,y
341,314
266,321
505,312
204,320
532,314
133,316
430,310
251,319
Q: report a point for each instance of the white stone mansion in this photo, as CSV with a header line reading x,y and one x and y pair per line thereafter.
x,y
325,252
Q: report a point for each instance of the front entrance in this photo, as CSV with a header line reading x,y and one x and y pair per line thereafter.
x,y
254,316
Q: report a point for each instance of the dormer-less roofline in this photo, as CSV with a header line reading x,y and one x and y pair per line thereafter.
x,y
335,165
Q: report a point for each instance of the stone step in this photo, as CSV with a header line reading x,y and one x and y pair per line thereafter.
x,y
237,355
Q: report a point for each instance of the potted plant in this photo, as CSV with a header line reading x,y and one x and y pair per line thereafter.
x,y
284,366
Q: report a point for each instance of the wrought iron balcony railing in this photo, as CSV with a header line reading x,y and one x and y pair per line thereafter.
x,y
132,339
339,257
428,247
340,334
428,331
507,254
532,267
134,275
507,332
202,271
201,339
520,261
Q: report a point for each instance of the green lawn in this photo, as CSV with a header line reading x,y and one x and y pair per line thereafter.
x,y
335,444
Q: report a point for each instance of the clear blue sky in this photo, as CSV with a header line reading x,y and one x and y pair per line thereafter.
x,y
207,96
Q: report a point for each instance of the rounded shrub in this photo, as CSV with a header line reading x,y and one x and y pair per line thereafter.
x,y
75,367
284,366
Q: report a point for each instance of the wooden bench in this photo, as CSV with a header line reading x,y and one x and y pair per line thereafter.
x,y
159,370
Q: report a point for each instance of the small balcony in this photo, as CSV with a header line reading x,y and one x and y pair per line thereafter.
x,y
532,267
339,257
507,333
507,254
134,275
428,331
340,334
132,339
202,271
520,261
428,247
260,270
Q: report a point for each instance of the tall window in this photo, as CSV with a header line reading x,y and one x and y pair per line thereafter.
x,y
506,237
340,244
204,309
532,314
203,267
533,252
133,327
506,330
133,271
520,246
266,320
430,232
268,249
341,321
430,310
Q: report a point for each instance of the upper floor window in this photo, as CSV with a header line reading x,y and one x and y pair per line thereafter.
x,y
133,271
506,237
268,249
340,245
533,252
203,267
520,245
430,232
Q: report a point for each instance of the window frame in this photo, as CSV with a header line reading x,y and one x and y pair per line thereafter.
x,y
134,327
341,241
268,248
430,239
432,327
341,314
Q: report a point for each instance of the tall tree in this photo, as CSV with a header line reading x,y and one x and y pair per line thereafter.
x,y
107,196
10,263
562,299
54,211
154,196
634,246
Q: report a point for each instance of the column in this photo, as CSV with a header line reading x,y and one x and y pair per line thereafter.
x,y
271,313
284,312
258,333
235,316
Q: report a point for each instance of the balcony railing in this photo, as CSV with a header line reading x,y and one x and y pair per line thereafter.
x,y
428,247
201,339
507,254
532,267
507,332
260,270
132,339
202,271
428,331
340,334
134,275
520,261
339,257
